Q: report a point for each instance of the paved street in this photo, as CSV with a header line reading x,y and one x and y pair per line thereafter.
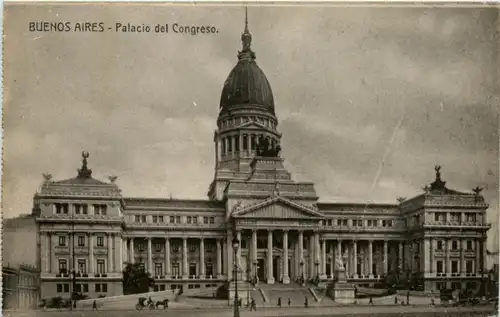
x,y
381,311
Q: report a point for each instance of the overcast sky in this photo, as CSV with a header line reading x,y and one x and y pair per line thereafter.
x,y
368,99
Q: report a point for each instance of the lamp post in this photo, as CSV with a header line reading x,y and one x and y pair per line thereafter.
x,y
255,263
301,271
317,268
236,245
74,288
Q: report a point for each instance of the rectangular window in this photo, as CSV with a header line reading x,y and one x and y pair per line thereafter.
x,y
344,222
66,288
175,248
160,219
468,266
205,220
212,220
104,288
62,241
192,247
155,219
209,247
59,288
85,288
440,245
188,219
469,245
384,223
63,266
177,219
175,269
143,218
454,266
339,222
157,247
100,241
389,223
77,209
369,223
195,220
98,288
158,269
101,268
137,218
81,241
439,266
78,288
454,245
82,266
172,219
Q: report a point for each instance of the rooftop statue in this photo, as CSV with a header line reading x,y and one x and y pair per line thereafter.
x,y
477,190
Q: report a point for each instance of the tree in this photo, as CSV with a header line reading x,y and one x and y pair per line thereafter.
x,y
136,279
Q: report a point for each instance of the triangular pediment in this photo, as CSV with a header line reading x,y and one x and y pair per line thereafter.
x,y
251,125
278,208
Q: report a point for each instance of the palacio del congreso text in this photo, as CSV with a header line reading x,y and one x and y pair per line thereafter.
x,y
437,238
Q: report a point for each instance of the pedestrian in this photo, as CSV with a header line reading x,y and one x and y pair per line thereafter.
x,y
253,305
289,301
432,301
306,302
94,305
371,301
396,300
279,301
408,298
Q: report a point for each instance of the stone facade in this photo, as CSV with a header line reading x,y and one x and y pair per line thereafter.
x,y
436,239
20,287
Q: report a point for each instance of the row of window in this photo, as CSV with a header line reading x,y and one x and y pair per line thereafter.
x,y
240,120
82,288
469,266
227,142
455,245
455,217
80,209
358,222
82,266
175,269
81,241
174,219
176,247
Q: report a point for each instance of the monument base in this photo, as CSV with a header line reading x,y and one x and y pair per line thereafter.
x,y
343,292
244,292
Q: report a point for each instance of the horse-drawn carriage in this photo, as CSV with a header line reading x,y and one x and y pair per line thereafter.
x,y
144,302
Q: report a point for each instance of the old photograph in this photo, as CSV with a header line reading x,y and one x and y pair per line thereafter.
x,y
250,160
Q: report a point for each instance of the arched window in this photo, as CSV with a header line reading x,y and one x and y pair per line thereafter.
x,y
244,146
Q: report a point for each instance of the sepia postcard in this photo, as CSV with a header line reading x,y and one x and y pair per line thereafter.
x,y
245,159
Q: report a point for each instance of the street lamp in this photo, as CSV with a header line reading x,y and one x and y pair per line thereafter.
x,y
255,263
317,268
236,245
74,288
302,271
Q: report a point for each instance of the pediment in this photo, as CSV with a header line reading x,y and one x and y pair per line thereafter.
x,y
251,125
277,208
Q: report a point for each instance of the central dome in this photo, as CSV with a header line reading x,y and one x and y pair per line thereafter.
x,y
246,83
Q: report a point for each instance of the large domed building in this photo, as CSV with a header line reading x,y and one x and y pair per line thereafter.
x,y
434,240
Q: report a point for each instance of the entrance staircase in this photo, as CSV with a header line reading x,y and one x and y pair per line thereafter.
x,y
296,293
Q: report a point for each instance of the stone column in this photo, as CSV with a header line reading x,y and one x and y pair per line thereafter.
x,y
355,257
300,257
91,253
462,256
385,258
370,258
132,251
185,272
317,254
110,252
484,255
286,277
202,258
233,145
447,256
478,256
249,144
323,259
254,247
167,257
238,253
332,256
118,245
45,251
219,259
431,255
425,256
270,277
400,255
150,257
229,253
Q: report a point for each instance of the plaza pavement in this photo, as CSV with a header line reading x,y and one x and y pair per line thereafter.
x,y
352,311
